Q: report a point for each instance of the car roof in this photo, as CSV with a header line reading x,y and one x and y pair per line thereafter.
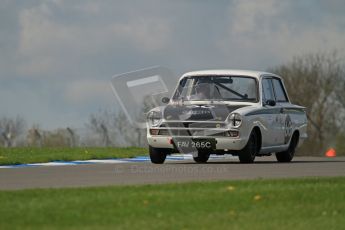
x,y
233,72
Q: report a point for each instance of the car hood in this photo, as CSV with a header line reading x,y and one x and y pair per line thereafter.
x,y
214,112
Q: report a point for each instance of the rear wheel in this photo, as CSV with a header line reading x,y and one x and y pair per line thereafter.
x,y
202,157
248,153
286,156
158,155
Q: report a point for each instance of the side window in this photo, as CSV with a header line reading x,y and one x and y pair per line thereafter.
x,y
279,90
267,90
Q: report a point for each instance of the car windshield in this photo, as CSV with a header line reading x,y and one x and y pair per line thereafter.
x,y
220,88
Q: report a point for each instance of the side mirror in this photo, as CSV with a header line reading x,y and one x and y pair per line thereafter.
x,y
270,102
165,100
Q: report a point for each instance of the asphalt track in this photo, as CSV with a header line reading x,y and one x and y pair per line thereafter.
x,y
172,171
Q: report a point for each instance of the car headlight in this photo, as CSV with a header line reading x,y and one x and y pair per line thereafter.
x,y
235,120
154,118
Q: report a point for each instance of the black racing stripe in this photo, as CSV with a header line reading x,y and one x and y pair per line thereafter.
x,y
276,111
294,110
263,111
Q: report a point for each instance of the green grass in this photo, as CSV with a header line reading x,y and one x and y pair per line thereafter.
x,y
37,155
317,203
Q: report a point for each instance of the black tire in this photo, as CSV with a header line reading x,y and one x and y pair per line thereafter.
x,y
248,153
287,156
158,155
202,157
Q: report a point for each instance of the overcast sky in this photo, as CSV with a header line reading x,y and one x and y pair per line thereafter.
x,y
57,57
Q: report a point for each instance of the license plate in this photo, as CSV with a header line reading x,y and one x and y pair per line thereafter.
x,y
195,143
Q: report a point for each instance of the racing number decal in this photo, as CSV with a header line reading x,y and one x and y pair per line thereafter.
x,y
288,129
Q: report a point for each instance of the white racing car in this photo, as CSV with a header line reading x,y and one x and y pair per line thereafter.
x,y
238,112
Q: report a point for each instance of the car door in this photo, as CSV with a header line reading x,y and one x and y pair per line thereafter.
x,y
282,103
272,116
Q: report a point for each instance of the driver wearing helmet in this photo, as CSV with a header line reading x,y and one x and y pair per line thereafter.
x,y
202,92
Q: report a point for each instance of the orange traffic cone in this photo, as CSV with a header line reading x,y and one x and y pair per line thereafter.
x,y
330,153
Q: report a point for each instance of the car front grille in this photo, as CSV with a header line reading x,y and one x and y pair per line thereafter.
x,y
193,129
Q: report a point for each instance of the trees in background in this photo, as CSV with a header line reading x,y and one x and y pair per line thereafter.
x,y
34,137
317,82
37,137
340,90
110,128
99,124
10,130
104,128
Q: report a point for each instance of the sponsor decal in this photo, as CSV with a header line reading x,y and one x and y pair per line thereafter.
x,y
288,129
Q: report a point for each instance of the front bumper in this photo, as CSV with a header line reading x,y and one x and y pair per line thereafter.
x,y
222,143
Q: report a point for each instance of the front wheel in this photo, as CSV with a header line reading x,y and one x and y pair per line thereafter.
x,y
248,153
202,157
158,155
286,156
